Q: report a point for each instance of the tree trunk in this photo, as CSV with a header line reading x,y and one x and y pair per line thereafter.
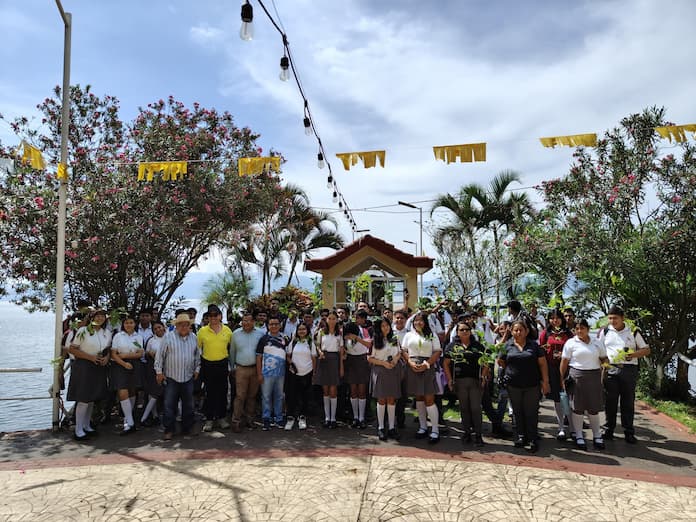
x,y
683,385
659,377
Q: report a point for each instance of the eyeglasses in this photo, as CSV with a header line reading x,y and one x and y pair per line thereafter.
x,y
463,329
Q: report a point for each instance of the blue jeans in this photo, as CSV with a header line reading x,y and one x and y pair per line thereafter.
x,y
173,391
272,391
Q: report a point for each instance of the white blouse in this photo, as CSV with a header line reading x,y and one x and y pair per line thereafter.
x,y
584,356
124,343
329,342
92,344
418,346
390,350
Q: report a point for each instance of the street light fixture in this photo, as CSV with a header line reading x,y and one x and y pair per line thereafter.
x,y
415,246
62,204
359,232
420,223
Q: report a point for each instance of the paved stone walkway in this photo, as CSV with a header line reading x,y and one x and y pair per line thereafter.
x,y
332,488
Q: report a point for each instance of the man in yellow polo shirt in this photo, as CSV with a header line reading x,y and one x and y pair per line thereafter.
x,y
214,342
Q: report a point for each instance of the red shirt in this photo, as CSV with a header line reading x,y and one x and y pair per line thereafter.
x,y
553,344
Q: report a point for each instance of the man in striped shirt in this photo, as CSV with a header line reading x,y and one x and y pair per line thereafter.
x,y
178,362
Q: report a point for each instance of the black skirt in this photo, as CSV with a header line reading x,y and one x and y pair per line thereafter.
x,y
554,382
422,383
357,369
88,381
122,379
327,373
150,379
386,382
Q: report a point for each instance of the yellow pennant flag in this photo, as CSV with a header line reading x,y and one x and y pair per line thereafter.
x,y
257,165
678,132
171,170
62,173
32,156
370,158
465,153
574,140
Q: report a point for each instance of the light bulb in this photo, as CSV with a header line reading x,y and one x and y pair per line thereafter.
x,y
320,161
284,69
340,204
335,197
247,30
307,126
329,181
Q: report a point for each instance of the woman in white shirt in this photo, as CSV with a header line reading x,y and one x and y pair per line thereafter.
x,y
329,370
126,351
88,375
154,391
584,356
386,376
302,359
423,350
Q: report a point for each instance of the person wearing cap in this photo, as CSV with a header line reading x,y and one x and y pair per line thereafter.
x,y
90,348
214,342
623,348
192,313
178,362
243,361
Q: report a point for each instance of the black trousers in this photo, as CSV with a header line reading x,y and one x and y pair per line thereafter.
x,y
298,391
621,386
525,408
214,375
487,405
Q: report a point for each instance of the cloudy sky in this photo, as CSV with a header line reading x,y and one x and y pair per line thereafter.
x,y
398,75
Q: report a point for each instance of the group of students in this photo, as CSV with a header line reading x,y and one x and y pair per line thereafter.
x,y
391,358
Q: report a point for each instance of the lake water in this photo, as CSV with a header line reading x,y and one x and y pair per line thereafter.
x,y
26,341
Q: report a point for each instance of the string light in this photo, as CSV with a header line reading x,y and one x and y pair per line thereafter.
x,y
329,182
246,32
320,162
334,198
284,66
307,126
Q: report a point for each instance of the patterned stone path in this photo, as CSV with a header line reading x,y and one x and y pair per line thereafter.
x,y
332,488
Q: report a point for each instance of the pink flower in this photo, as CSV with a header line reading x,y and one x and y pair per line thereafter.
x,y
71,254
130,249
202,190
207,207
113,266
676,199
39,201
95,258
125,206
612,198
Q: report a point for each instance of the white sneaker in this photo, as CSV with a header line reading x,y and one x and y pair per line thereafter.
x,y
223,424
208,426
302,422
289,423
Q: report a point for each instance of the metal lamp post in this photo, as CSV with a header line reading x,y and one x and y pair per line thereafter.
x,y
62,197
420,223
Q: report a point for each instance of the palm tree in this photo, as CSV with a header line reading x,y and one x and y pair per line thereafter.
x,y
230,289
499,212
310,230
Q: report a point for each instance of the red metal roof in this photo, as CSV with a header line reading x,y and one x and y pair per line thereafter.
x,y
369,241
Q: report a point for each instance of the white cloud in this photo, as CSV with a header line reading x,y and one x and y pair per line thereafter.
x,y
206,36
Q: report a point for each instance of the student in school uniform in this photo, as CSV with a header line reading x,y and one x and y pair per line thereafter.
x,y
88,375
386,376
329,371
126,351
423,350
358,343
301,359
154,390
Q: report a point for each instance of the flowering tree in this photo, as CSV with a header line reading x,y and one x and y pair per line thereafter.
x,y
129,243
621,223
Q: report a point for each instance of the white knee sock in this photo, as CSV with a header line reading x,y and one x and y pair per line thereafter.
x,y
87,424
327,407
362,403
380,415
434,418
559,414
132,401
334,406
577,424
422,415
80,409
391,414
354,405
127,408
151,406
594,423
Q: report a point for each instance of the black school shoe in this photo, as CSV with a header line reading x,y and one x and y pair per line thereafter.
x,y
533,446
520,442
382,436
608,434
393,434
630,438
434,438
421,434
